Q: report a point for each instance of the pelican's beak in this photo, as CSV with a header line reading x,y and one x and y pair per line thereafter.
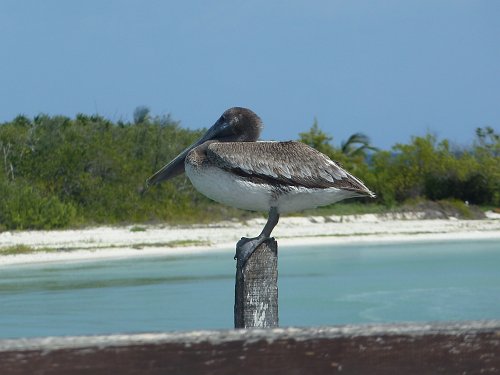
x,y
218,130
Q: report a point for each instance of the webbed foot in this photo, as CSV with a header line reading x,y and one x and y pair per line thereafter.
x,y
245,247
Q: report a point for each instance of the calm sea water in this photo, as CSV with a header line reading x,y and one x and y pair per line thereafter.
x,y
321,285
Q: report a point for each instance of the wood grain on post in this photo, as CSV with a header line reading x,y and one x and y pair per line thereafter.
x,y
256,290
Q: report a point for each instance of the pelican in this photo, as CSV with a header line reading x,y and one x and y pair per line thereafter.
x,y
229,165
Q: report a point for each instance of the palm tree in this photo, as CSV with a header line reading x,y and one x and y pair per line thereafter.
x,y
141,114
357,144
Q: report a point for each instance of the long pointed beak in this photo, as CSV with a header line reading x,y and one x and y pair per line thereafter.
x,y
176,166
172,169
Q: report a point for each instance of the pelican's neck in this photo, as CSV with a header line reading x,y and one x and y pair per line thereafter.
x,y
198,155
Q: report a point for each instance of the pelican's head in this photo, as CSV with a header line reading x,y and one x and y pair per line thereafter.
x,y
236,124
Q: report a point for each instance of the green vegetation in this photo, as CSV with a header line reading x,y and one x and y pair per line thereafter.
x,y
186,243
57,172
16,249
24,249
424,168
175,243
137,228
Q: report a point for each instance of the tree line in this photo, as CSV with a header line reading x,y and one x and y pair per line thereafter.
x,y
425,167
57,172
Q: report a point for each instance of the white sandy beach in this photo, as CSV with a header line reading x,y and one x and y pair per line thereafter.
x,y
150,240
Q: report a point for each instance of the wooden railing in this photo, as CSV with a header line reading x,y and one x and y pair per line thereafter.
x,y
448,348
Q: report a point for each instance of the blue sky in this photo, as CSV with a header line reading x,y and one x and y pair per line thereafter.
x,y
389,69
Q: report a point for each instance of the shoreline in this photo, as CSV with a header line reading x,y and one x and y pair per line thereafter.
x,y
103,243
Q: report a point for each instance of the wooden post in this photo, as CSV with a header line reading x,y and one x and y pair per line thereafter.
x,y
256,290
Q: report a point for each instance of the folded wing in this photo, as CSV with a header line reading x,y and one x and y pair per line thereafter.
x,y
283,163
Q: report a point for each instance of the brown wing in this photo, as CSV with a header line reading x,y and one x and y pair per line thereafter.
x,y
283,163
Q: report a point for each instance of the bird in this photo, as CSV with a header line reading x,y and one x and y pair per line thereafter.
x,y
230,165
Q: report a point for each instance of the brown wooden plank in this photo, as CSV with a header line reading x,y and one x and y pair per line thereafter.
x,y
461,348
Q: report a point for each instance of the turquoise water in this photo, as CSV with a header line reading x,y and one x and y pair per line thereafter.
x,y
321,285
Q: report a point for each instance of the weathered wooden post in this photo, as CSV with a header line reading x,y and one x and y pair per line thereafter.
x,y
256,289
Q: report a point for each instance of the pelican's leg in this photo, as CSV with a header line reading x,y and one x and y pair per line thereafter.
x,y
246,246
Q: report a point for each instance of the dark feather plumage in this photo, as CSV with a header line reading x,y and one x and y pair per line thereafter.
x,y
283,163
